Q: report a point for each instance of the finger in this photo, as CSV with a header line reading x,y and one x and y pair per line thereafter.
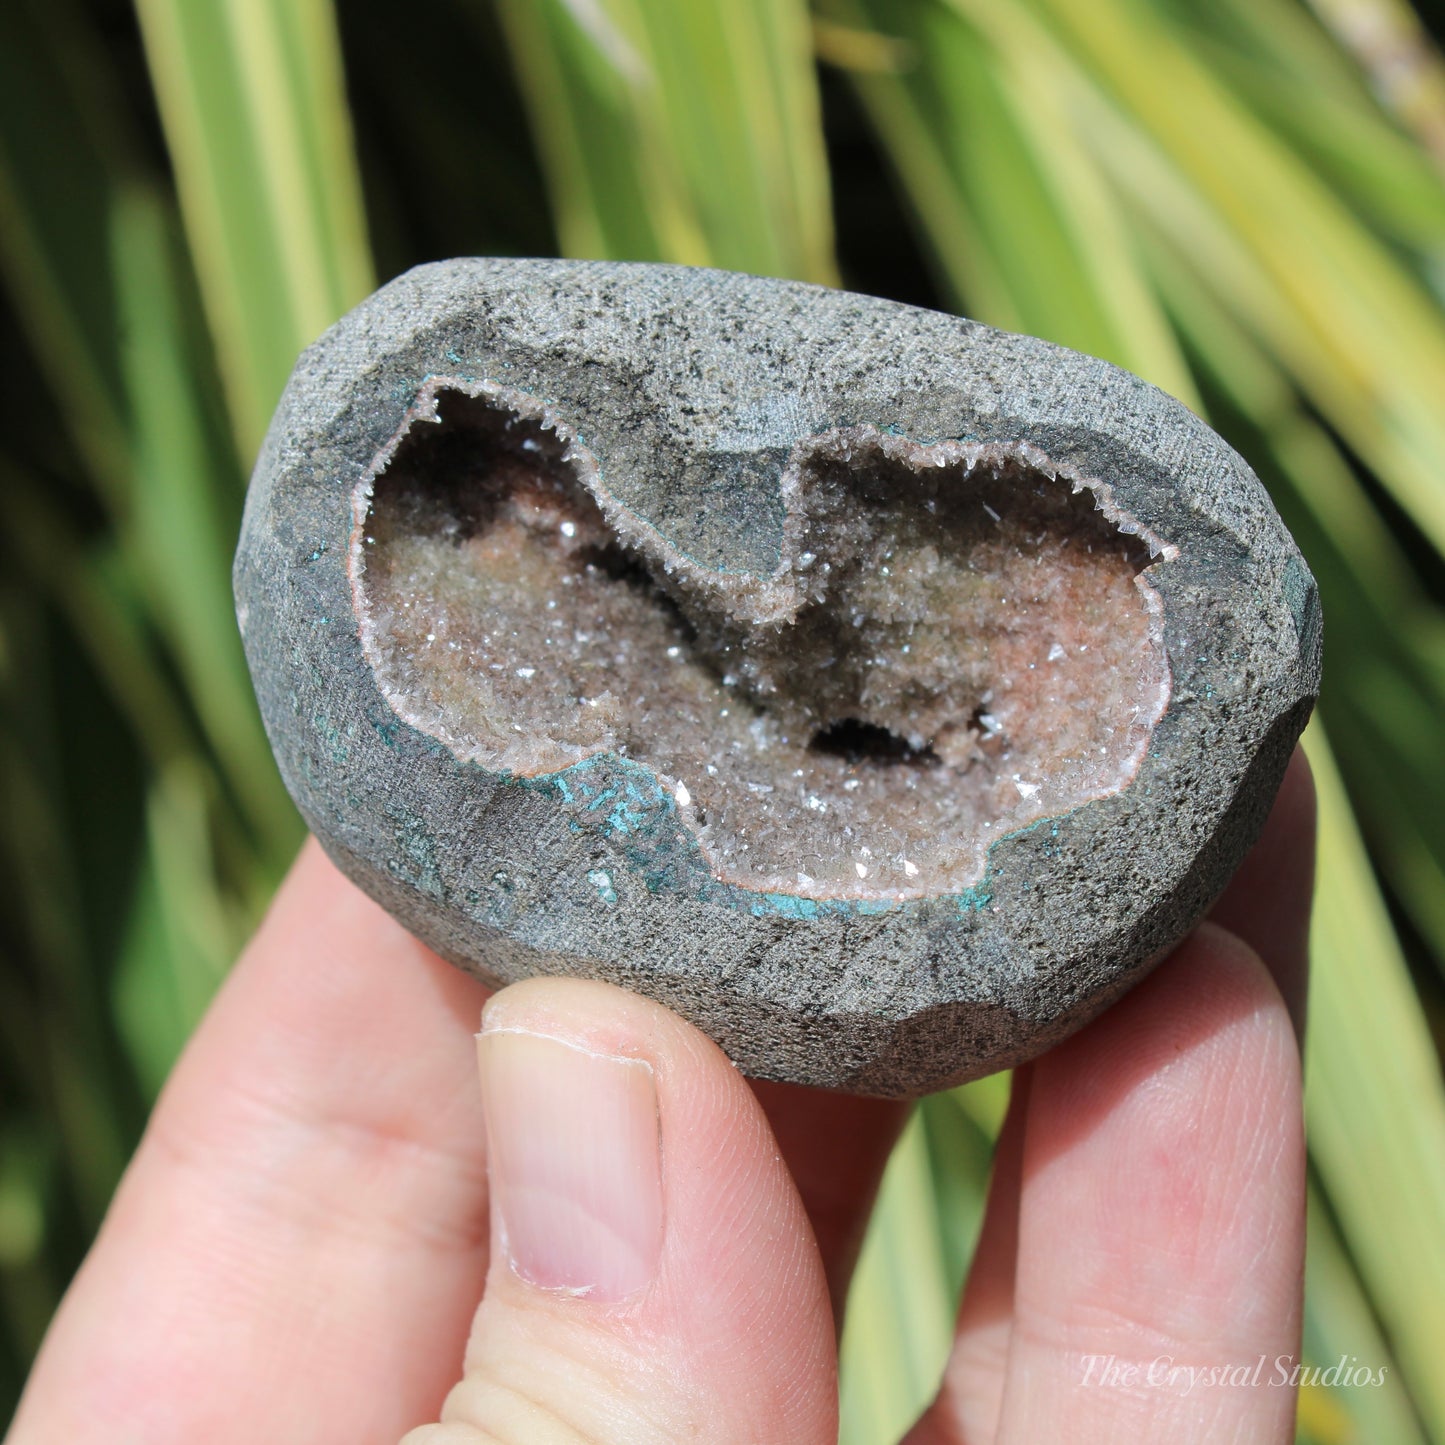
x,y
298,1244
1268,902
836,1149
967,1406
1161,1215
654,1277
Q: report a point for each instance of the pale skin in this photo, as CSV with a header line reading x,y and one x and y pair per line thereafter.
x,y
298,1249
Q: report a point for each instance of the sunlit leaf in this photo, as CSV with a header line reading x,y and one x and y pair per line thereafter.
x,y
686,133
1375,1107
251,96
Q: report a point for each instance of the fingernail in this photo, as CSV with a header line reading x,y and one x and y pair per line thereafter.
x,y
574,1163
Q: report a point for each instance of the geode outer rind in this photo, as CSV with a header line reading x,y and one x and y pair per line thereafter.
x,y
692,389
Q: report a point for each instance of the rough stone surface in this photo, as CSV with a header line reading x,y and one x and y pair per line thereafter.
x,y
884,693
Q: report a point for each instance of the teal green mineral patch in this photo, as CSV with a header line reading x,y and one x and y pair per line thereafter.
x,y
601,880
622,801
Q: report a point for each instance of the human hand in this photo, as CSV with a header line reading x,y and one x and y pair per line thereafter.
x,y
295,1252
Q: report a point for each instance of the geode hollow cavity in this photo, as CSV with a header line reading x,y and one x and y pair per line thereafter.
x,y
882,692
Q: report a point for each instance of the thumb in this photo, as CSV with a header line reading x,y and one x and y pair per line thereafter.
x,y
653,1277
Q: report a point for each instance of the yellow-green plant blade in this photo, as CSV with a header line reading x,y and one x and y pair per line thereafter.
x,y
961,1128
255,118
579,110
685,133
1394,744
900,1309
1375,1101
120,672
1355,328
1283,34
899,1323
1370,338
1339,1323
1043,209
174,518
924,165
182,935
1384,684
1401,60
1375,168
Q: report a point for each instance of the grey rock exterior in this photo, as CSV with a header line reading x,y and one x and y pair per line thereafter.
x,y
692,388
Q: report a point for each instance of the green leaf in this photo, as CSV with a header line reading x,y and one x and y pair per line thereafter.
x,y
686,133
1384,684
1375,1104
898,1327
1339,1323
182,934
255,117
1358,331
900,1309
998,107
178,536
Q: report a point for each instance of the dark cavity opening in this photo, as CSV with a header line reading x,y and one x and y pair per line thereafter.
x,y
856,741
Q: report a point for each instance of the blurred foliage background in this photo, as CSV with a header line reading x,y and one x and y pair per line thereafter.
x,y
1242,200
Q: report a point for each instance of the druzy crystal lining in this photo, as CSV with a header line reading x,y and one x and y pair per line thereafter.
x,y
958,639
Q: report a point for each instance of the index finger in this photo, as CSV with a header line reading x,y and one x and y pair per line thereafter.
x,y
1267,903
307,1212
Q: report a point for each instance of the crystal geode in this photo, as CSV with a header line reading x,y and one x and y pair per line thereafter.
x,y
882,692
